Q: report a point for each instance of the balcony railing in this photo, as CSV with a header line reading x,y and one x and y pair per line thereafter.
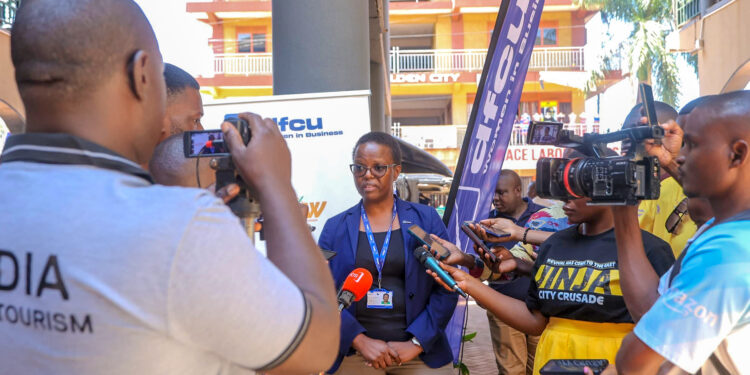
x,y
246,64
520,132
404,61
451,136
472,60
686,10
8,12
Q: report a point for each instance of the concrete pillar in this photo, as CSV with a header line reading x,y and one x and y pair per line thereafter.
x,y
458,105
377,99
320,46
379,69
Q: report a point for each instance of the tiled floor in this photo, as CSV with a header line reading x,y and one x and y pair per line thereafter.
x,y
478,354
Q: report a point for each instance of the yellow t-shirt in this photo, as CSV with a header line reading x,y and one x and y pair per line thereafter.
x,y
653,214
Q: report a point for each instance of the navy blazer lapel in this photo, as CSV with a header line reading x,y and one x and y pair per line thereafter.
x,y
352,225
407,217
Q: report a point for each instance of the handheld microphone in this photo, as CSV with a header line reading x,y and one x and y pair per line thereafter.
x,y
354,288
429,262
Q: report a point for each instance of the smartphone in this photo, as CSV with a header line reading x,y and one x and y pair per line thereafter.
x,y
478,241
648,109
202,143
425,239
489,230
328,254
573,366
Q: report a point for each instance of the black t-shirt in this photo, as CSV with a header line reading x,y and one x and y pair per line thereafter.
x,y
384,324
576,276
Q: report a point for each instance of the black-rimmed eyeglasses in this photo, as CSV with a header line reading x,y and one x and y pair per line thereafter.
x,y
377,171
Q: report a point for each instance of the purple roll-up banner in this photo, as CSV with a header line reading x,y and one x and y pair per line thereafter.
x,y
489,128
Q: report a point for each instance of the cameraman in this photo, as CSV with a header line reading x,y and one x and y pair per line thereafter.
x,y
667,216
696,316
184,103
104,272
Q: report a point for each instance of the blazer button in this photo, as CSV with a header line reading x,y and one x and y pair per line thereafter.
x,y
411,295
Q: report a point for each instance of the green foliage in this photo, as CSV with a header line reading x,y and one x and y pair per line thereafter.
x,y
645,49
469,337
462,367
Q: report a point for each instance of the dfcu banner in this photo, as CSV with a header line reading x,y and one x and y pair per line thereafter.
x,y
320,130
489,127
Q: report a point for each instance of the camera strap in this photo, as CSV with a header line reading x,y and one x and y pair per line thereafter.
x,y
66,149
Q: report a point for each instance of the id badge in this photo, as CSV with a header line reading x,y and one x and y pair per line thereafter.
x,y
380,299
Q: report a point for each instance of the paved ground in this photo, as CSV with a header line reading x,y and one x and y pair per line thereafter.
x,y
478,353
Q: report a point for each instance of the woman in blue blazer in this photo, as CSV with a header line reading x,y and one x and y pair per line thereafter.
x,y
398,328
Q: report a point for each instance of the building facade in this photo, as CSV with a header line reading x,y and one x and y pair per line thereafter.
x,y
436,58
717,32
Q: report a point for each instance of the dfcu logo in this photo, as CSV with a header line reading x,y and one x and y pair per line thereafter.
x,y
316,209
298,124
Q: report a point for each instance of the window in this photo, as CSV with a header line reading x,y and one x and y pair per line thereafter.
x,y
251,42
546,36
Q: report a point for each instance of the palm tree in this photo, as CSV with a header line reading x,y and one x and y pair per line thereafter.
x,y
645,49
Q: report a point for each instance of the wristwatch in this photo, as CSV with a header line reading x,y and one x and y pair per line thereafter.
x,y
415,342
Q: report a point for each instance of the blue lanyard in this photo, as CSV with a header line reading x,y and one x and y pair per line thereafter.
x,y
378,258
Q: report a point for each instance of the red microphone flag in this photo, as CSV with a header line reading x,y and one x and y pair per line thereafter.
x,y
358,282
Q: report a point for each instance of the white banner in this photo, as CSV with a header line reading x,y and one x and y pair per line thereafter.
x,y
321,130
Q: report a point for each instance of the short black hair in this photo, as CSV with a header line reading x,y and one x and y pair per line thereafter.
x,y
178,80
65,49
664,113
383,139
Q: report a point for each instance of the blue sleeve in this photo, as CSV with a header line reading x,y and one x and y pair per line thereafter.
x,y
350,327
706,301
430,324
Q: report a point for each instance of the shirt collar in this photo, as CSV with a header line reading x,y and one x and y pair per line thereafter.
x,y
60,148
531,207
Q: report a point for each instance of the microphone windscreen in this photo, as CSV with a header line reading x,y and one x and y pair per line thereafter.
x,y
358,282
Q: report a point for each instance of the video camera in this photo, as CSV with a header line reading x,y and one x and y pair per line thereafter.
x,y
210,143
607,180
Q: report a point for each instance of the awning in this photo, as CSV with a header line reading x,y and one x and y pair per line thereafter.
x,y
416,160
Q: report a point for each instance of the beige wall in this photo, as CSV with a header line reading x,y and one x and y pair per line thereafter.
x,y
11,107
726,44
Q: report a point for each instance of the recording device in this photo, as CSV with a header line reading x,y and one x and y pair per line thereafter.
x,y
425,239
210,143
473,236
429,262
489,230
202,143
573,366
354,288
607,180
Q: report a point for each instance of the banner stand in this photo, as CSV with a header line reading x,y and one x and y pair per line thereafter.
x,y
489,129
